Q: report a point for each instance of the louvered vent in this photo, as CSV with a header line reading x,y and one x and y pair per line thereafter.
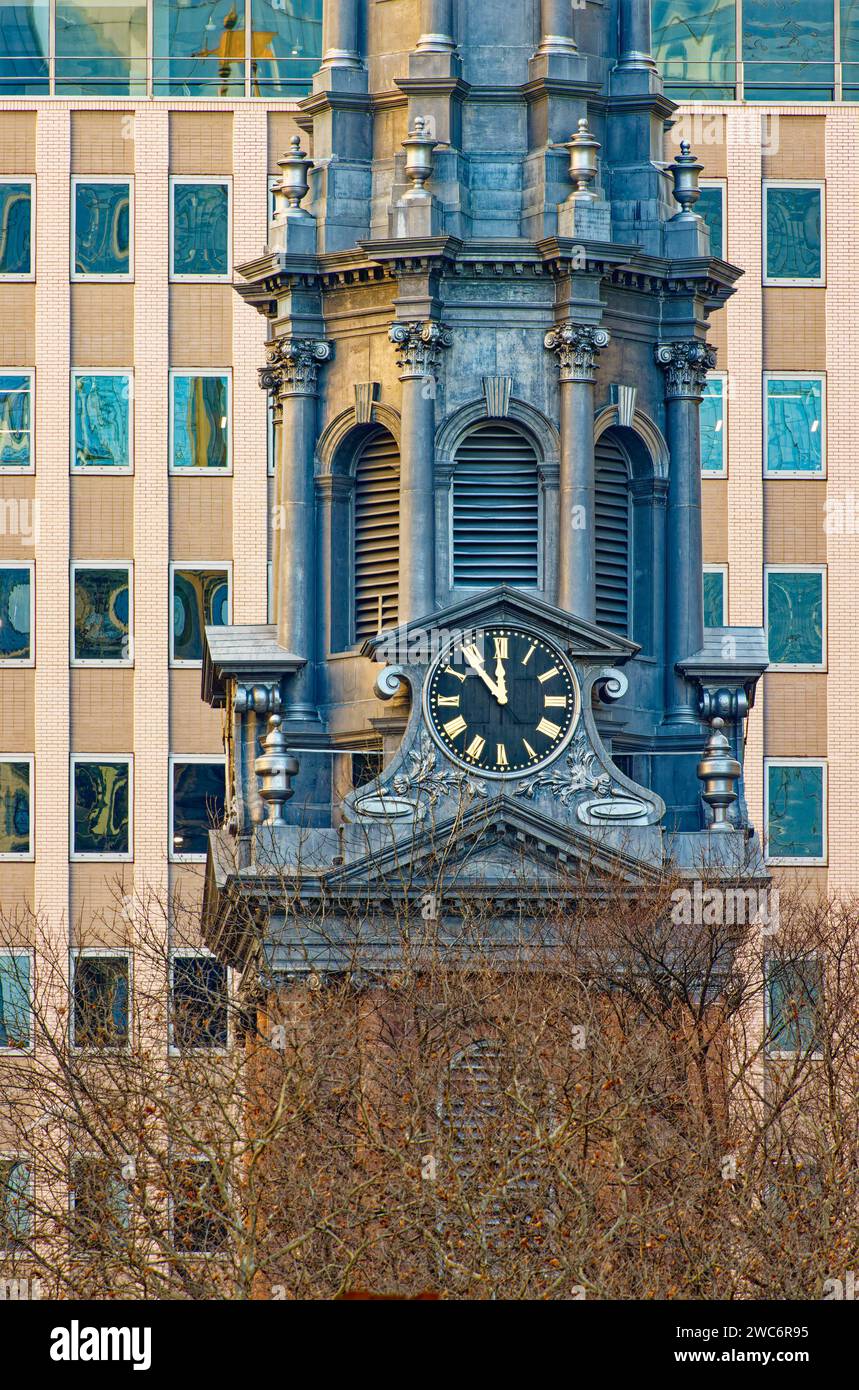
x,y
496,509
377,535
612,536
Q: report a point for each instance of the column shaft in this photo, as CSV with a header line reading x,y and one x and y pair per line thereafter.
x,y
340,34
635,34
556,27
436,26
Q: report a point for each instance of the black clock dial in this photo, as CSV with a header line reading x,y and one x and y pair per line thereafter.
x,y
502,700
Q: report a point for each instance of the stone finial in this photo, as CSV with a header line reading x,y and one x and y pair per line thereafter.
x,y
295,181
577,347
275,769
719,771
419,145
686,171
583,148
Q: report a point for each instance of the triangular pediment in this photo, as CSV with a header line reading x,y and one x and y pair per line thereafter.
x,y
582,640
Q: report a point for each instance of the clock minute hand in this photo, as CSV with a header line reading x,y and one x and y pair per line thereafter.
x,y
475,661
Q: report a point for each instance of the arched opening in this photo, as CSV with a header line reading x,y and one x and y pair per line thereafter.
x,y
376,534
613,534
496,509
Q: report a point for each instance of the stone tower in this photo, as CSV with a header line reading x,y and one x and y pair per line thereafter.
x,y
488,295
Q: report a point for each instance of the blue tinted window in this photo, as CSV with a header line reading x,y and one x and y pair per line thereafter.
x,y
713,426
102,421
714,598
15,613
100,1003
15,999
24,47
794,425
198,805
16,211
201,427
102,228
199,51
201,229
788,49
287,44
199,1002
102,602
795,617
795,812
15,418
695,45
710,206
201,598
794,247
100,1205
15,1213
794,1000
101,808
101,48
14,807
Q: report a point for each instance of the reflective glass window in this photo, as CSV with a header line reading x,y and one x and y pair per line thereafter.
x,y
16,613
794,426
200,421
16,219
795,812
201,598
795,623
102,420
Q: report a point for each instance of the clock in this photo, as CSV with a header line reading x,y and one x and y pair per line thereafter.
x,y
502,700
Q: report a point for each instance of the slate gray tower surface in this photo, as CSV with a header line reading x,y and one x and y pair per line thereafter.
x,y
486,251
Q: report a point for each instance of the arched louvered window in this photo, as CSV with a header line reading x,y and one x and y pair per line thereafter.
x,y
612,536
377,535
496,509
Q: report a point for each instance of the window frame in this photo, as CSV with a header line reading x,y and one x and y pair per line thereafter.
x,y
78,1156
172,470
722,185
123,470
799,568
782,1054
721,569
27,1051
111,857
29,857
179,663
173,759
176,278
16,1156
78,277
77,953
9,277
795,474
22,662
787,283
173,1049
107,663
721,473
806,861
13,470
193,1254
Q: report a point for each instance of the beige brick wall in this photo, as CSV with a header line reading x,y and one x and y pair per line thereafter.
x,y
103,142
102,325
201,142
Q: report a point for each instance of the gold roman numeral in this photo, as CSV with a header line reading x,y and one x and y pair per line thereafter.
x,y
501,756
454,727
530,652
548,675
451,701
501,644
471,653
475,747
546,727
528,749
555,702
449,671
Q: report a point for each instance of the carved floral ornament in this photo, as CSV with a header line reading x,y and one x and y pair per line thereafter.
x,y
577,347
685,365
419,346
292,366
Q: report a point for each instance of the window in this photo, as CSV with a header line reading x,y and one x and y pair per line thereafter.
x,y
100,998
197,796
102,228
16,415
199,1017
789,50
612,534
793,234
17,614
496,509
795,601
199,1208
715,595
24,47
16,1022
16,1197
287,40
100,48
102,606
794,426
16,823
376,535
795,811
794,997
200,421
200,229
200,597
101,807
101,412
16,225
695,45
711,206
714,459
99,1202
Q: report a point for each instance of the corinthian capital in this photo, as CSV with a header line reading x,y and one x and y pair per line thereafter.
x,y
577,347
292,366
419,347
685,365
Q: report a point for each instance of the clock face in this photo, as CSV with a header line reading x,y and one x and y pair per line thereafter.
x,y
502,700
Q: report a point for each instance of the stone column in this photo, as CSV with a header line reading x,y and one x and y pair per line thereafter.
x,y
292,372
556,27
340,34
418,347
635,35
685,365
577,346
436,27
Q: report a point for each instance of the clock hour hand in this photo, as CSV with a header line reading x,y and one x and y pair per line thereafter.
x,y
501,681
475,661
